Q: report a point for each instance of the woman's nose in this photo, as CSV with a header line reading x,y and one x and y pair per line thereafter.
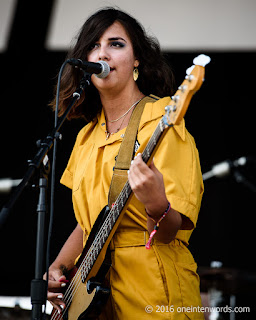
x,y
104,54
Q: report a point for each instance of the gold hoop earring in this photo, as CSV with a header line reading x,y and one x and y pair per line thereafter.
x,y
135,74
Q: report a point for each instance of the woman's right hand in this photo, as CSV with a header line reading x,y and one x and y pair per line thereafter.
x,y
65,260
57,281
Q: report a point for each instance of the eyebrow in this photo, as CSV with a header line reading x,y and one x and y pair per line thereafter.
x,y
117,38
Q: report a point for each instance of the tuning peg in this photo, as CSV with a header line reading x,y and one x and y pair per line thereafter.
x,y
189,77
183,88
175,98
170,108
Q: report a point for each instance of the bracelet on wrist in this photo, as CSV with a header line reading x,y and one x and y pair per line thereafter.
x,y
156,227
152,218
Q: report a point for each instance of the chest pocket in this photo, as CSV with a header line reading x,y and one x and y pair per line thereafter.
x,y
85,155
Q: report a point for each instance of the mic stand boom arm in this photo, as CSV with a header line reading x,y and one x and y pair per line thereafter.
x,y
44,146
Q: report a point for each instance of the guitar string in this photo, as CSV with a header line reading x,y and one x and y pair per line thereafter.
x,y
69,294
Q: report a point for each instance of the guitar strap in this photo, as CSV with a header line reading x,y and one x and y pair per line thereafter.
x,y
126,151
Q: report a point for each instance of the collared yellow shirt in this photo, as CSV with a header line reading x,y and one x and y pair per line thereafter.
x,y
166,274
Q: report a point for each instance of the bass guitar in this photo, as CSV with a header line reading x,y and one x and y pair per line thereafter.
x,y
85,293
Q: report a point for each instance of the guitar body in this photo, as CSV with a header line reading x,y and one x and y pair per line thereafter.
x,y
86,304
88,301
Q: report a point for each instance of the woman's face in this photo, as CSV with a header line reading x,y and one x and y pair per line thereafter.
x,y
114,47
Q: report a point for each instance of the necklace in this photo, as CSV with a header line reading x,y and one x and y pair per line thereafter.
x,y
111,121
108,134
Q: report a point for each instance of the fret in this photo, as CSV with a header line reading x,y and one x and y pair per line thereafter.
x,y
123,193
116,212
105,234
148,153
103,238
161,124
90,261
109,224
153,141
112,222
119,205
83,274
126,193
100,244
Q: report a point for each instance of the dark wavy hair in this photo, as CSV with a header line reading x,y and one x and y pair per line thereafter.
x,y
155,75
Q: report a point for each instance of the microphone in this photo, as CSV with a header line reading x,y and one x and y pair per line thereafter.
x,y
101,68
7,184
223,169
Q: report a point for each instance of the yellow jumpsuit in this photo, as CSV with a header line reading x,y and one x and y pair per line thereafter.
x,y
160,283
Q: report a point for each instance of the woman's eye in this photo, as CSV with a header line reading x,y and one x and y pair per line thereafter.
x,y
93,46
117,44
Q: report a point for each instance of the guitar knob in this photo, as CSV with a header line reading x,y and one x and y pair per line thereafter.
x,y
91,285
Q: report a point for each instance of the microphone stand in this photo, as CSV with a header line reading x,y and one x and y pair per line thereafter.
x,y
38,285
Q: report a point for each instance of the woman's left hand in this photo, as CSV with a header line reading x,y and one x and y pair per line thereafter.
x,y
148,186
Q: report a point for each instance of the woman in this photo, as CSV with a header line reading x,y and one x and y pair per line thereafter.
x,y
153,283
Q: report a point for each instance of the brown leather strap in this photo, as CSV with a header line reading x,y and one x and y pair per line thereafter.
x,y
126,150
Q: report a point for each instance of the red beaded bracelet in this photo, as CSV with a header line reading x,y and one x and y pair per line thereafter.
x,y
156,227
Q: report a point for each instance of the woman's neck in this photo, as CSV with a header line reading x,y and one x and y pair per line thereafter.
x,y
115,105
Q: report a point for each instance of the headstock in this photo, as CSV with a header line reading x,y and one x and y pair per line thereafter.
x,y
176,110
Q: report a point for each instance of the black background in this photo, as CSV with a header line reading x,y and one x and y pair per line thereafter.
x,y
220,117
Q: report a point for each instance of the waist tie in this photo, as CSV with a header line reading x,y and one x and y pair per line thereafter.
x,y
132,239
